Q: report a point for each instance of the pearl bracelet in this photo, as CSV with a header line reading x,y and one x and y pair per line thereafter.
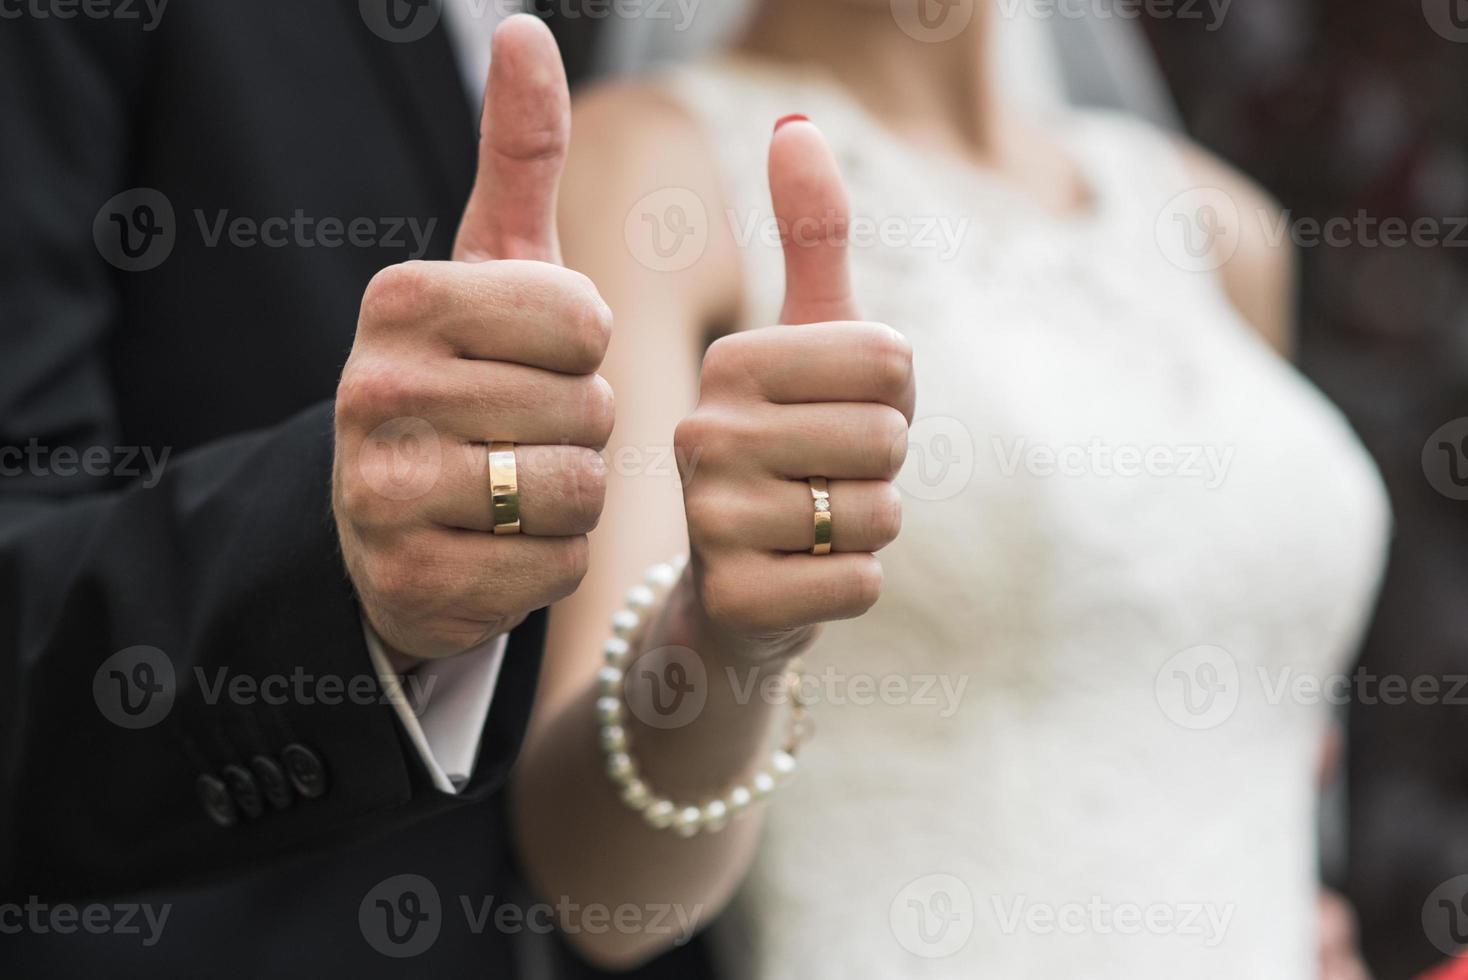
x,y
659,812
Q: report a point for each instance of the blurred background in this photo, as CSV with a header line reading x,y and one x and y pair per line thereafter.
x,y
1342,109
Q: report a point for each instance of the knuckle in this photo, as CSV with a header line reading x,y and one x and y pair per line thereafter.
x,y
570,564
887,440
726,362
375,389
889,354
588,487
397,294
590,326
599,409
706,516
886,516
866,584
726,601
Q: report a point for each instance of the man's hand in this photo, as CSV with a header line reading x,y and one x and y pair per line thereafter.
x,y
781,404
501,344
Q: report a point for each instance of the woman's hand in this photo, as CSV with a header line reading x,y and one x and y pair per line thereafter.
x,y
782,404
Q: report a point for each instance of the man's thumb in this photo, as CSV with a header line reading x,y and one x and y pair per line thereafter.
x,y
523,139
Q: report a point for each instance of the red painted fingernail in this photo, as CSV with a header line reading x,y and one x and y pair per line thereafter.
x,y
793,117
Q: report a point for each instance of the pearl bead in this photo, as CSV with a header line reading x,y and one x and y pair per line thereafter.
x,y
611,681
614,739
609,711
616,650
620,766
763,784
640,598
662,576
636,795
679,563
685,822
715,815
783,763
625,622
739,799
659,814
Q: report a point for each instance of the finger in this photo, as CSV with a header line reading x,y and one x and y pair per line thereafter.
x,y
866,516
562,490
489,401
479,581
831,362
842,441
524,133
530,313
814,216
765,594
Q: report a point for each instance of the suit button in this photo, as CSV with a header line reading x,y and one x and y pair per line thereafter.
x,y
244,790
307,774
218,805
272,781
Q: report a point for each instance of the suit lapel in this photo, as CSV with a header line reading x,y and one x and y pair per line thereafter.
x,y
419,80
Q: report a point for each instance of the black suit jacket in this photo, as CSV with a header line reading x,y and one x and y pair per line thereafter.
x,y
137,318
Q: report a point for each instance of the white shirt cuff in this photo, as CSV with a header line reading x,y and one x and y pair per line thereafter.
x,y
443,705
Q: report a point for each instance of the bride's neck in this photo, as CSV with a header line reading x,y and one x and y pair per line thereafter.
x,y
937,93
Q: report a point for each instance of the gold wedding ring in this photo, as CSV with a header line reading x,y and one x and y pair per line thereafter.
x,y
504,488
820,491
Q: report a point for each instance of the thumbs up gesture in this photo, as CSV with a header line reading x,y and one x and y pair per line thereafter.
x,y
494,352
823,396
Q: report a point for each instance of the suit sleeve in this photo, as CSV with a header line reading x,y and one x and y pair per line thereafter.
x,y
185,690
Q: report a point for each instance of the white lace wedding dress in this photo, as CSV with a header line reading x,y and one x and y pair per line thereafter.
x,y
1072,740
